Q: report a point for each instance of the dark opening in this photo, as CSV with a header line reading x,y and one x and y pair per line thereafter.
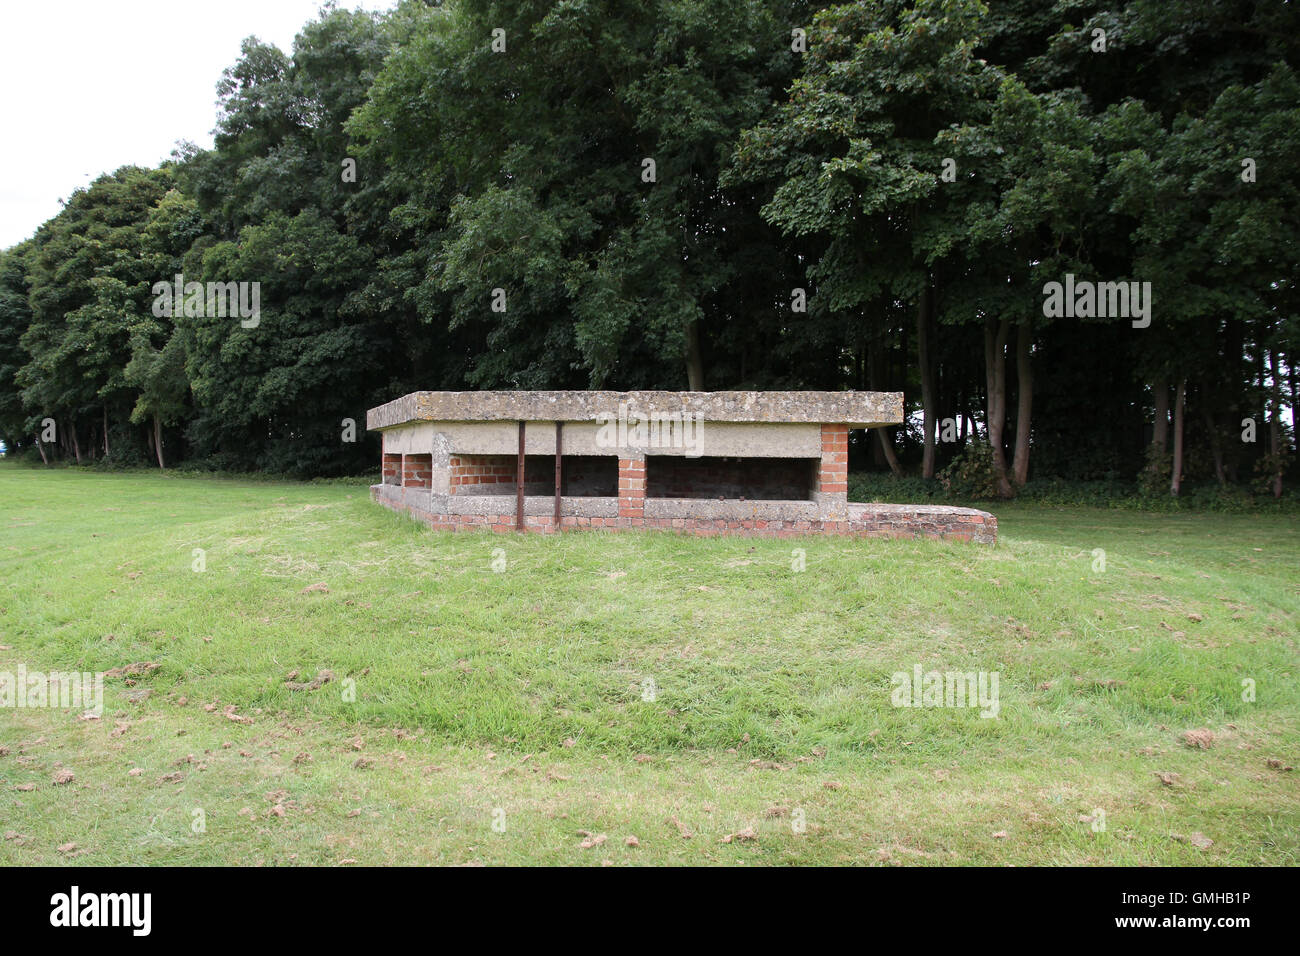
x,y
586,476
582,476
771,479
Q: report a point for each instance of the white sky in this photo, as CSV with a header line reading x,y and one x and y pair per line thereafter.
x,y
91,85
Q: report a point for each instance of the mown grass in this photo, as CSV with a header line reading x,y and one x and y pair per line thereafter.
x,y
522,692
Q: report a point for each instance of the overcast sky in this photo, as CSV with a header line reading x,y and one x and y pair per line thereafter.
x,y
91,85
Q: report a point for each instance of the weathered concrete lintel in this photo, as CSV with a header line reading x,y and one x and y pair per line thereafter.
x,y
855,409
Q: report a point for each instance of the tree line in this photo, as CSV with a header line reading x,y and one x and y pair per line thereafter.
x,y
731,194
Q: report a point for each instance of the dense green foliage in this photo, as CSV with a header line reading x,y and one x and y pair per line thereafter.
x,y
706,195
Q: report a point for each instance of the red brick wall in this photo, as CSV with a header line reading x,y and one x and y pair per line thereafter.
x,y
417,471
833,475
392,469
631,489
481,470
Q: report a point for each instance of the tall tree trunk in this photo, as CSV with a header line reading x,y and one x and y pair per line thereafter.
x,y
694,360
887,448
877,454
1275,424
157,441
875,362
1234,357
1290,368
1024,403
1216,445
995,372
76,445
1176,482
41,447
924,308
1160,427
1262,372
105,431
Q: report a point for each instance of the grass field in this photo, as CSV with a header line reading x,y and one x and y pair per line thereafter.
x,y
501,699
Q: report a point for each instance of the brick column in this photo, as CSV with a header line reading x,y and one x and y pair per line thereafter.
x,y
832,492
631,490
833,475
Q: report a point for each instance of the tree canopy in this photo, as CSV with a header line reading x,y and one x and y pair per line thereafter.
x,y
703,194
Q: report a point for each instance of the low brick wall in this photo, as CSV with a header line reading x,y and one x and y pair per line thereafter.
x,y
863,520
474,470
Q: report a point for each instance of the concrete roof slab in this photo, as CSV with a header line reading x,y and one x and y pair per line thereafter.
x,y
855,409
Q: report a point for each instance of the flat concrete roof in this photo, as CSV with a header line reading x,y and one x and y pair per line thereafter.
x,y
855,409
